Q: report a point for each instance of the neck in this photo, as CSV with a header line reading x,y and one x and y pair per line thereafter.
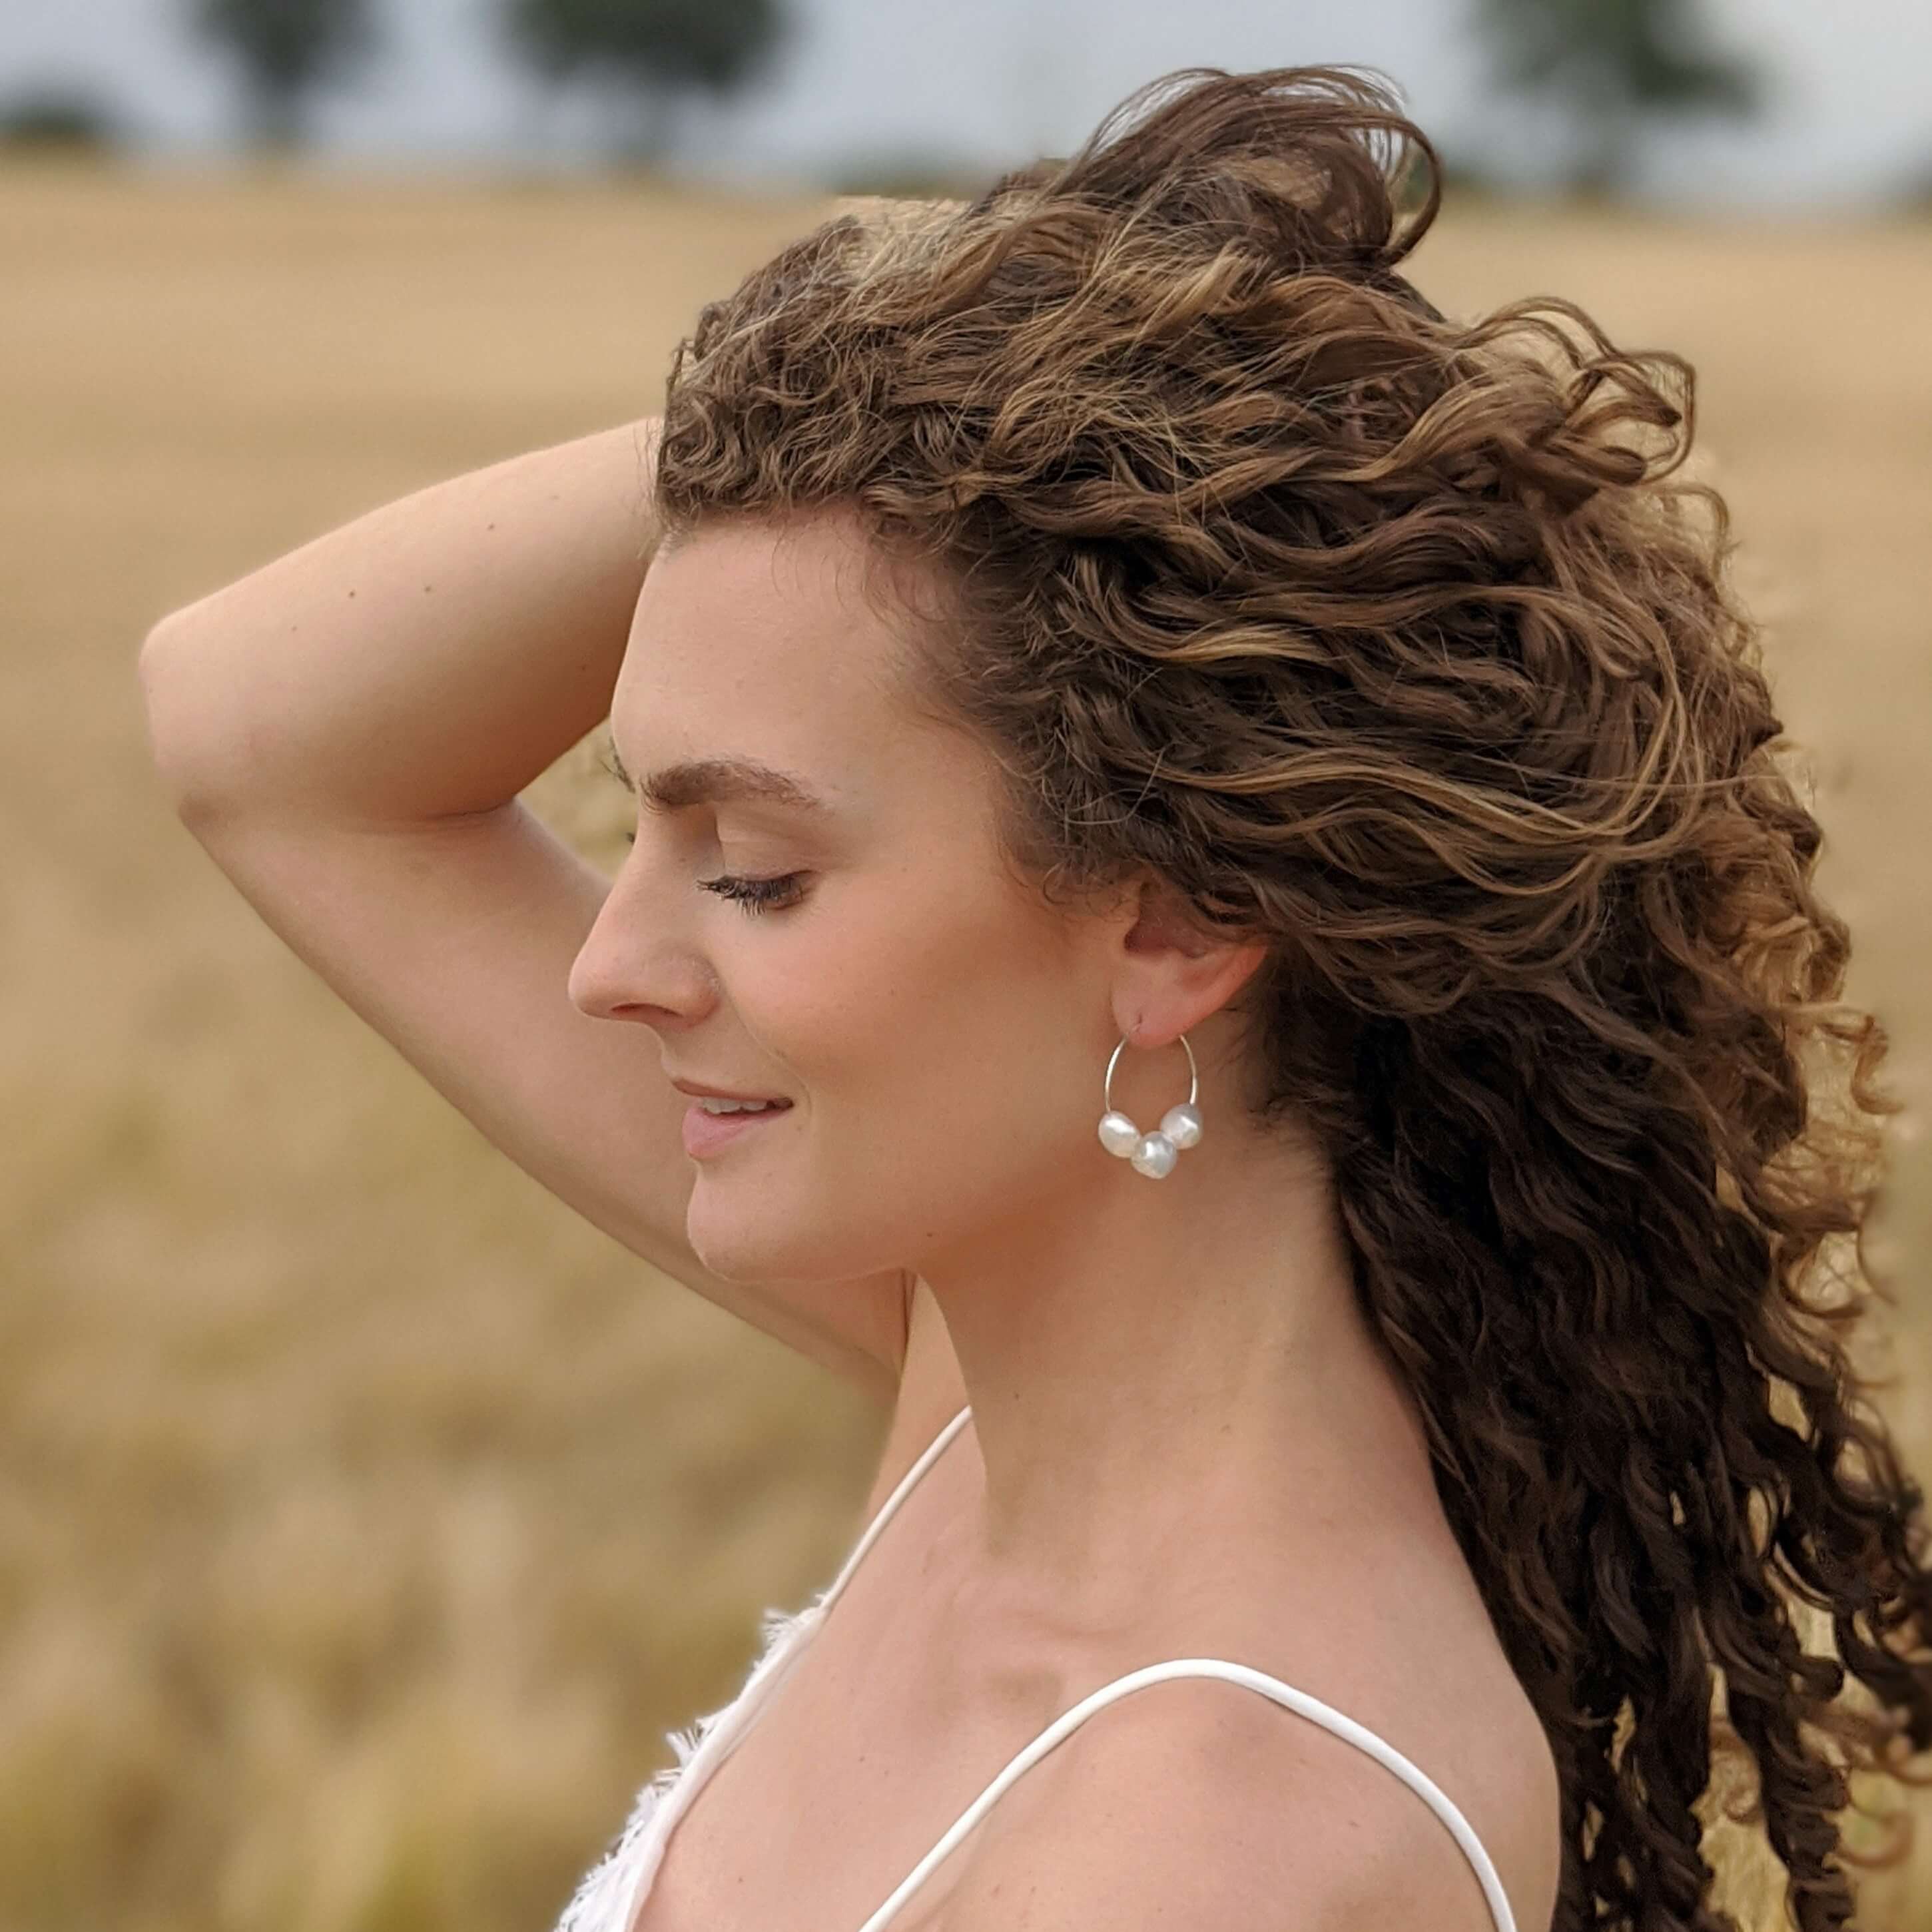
x,y
1149,1361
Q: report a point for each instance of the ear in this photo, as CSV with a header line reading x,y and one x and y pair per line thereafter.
x,y
1172,973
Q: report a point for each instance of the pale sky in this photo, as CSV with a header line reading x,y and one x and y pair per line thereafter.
x,y
997,82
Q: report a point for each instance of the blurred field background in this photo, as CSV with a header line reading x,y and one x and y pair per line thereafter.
x,y
366,1517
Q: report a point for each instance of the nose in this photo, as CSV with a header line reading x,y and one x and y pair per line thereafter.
x,y
620,973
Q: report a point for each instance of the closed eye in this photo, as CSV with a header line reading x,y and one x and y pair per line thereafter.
x,y
757,895
754,895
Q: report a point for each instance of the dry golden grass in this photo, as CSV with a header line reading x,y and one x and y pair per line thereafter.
x,y
365,1516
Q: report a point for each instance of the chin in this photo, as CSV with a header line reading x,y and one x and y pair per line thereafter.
x,y
764,1244
743,1234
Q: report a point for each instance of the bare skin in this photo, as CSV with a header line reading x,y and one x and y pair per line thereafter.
x,y
1183,1433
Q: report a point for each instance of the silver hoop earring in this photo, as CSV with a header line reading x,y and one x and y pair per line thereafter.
x,y
1152,1154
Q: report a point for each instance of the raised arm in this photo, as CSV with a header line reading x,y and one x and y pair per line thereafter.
x,y
429,659
346,730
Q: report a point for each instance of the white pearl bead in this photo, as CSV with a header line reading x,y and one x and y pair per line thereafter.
x,y
1118,1135
1154,1157
1182,1124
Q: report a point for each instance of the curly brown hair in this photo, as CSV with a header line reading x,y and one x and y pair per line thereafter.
x,y
1390,639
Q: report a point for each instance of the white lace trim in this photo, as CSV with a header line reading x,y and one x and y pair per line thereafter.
x,y
615,1885
599,1901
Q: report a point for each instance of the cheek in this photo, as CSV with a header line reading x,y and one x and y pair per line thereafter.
x,y
879,983
878,989
948,1041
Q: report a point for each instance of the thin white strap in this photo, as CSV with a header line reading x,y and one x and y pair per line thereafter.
x,y
927,1457
636,1862
1327,1717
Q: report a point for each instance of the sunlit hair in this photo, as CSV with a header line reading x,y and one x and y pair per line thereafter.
x,y
1394,639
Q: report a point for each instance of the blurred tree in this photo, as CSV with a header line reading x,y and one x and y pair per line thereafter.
x,y
655,52
59,118
287,50
1615,62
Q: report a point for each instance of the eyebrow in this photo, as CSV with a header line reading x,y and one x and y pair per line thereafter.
x,y
722,780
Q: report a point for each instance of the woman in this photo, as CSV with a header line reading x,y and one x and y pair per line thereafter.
x,y
1113,654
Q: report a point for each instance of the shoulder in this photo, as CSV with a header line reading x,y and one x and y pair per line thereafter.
x,y
1199,1801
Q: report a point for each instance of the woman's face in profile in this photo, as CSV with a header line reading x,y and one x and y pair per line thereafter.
x,y
939,1030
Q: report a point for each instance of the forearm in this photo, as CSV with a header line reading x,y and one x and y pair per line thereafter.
x,y
431,657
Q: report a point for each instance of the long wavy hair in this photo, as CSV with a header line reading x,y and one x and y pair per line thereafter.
x,y
1393,639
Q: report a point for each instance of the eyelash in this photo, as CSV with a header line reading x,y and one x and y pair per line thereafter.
x,y
753,895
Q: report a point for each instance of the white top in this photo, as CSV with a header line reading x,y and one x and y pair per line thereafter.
x,y
612,1892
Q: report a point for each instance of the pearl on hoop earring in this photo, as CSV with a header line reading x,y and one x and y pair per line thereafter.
x,y
1152,1154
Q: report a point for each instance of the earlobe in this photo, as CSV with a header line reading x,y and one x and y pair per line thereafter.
x,y
1179,973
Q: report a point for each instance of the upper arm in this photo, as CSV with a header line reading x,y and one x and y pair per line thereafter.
x,y
453,938
1207,1813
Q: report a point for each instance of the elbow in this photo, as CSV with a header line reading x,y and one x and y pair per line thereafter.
x,y
185,737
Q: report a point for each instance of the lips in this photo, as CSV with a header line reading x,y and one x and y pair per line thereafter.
x,y
698,1093
706,1133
